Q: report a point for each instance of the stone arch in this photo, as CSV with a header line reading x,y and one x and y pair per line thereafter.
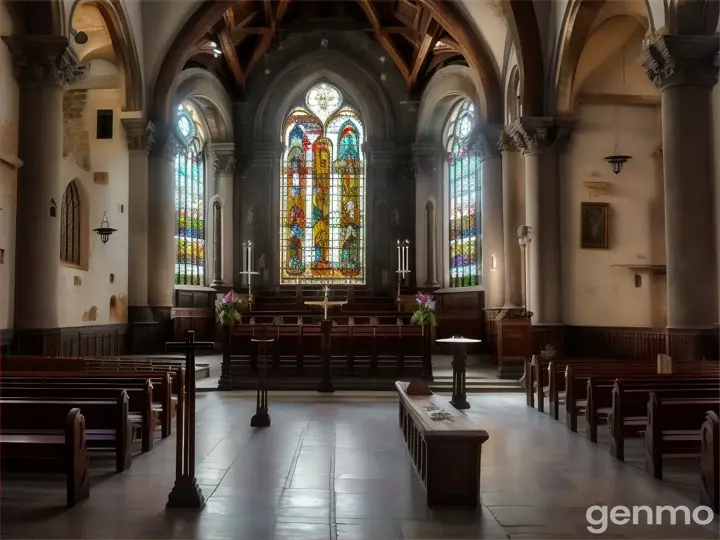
x,y
513,96
362,90
472,46
75,195
578,24
123,41
209,95
525,31
442,93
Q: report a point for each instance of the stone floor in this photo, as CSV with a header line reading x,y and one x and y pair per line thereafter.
x,y
335,467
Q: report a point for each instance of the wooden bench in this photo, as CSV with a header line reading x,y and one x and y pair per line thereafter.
x,y
624,401
710,461
108,426
673,428
446,452
577,375
165,385
47,438
140,400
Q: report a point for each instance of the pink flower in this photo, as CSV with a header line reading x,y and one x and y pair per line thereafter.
x,y
229,297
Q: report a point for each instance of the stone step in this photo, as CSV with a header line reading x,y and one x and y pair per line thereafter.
x,y
475,385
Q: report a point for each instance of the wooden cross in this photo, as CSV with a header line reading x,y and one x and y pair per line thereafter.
x,y
186,493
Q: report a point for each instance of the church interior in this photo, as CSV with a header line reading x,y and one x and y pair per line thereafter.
x,y
237,237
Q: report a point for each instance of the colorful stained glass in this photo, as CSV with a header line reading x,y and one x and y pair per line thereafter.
x,y
323,187
189,201
464,194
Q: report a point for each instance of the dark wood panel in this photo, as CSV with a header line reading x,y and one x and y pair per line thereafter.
x,y
6,339
200,320
99,340
188,298
461,314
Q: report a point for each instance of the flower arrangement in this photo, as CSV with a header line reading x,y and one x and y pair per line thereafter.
x,y
227,310
425,312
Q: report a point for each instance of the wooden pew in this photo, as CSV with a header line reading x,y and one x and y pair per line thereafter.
x,y
673,427
710,461
165,384
47,438
107,421
140,400
625,401
446,454
577,374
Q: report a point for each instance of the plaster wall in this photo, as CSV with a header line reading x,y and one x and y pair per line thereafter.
x,y
596,292
87,299
8,175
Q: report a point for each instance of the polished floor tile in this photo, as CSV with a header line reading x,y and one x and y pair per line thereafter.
x,y
339,470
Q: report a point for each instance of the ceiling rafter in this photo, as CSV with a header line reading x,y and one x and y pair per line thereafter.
x,y
422,52
231,57
384,40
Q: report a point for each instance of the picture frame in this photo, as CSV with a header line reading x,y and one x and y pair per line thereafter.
x,y
594,224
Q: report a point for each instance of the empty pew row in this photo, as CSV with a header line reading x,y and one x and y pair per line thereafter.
x,y
47,439
164,386
68,363
577,376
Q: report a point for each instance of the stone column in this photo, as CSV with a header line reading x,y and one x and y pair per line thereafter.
x,y
491,205
223,160
161,227
430,246
140,137
535,137
44,65
513,205
383,226
685,69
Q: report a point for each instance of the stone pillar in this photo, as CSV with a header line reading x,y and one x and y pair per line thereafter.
x,y
513,205
430,246
493,245
223,161
384,220
535,137
161,227
685,69
44,64
140,138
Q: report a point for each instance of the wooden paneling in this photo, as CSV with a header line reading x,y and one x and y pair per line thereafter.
x,y
461,314
201,320
188,298
100,340
6,338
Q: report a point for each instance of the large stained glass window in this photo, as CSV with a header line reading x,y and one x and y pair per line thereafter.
x,y
323,192
189,199
464,198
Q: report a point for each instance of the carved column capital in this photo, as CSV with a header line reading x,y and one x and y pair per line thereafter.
x,y
506,143
674,60
426,157
532,134
140,133
223,163
167,146
43,59
382,154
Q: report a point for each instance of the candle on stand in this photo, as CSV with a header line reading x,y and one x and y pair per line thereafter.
x,y
244,257
399,252
249,256
406,267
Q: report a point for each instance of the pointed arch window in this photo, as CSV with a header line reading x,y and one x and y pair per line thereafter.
x,y
322,205
70,225
189,199
463,188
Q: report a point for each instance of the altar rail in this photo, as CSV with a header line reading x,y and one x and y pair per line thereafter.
x,y
362,356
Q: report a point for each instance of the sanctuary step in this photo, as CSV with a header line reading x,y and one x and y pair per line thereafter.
x,y
475,385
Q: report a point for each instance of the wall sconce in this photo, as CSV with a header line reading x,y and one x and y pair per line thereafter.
x,y
493,263
104,229
617,162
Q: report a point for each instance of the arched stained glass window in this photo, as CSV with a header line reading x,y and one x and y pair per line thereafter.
x,y
189,199
322,205
464,199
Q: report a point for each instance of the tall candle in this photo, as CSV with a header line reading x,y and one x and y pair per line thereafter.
x,y
250,259
407,256
244,257
399,256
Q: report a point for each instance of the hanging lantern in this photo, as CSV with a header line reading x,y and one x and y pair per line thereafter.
x,y
617,162
104,230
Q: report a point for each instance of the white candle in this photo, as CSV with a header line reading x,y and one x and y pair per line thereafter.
x,y
250,259
244,256
407,256
399,256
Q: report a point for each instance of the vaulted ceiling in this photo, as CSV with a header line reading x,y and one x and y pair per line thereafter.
x,y
411,37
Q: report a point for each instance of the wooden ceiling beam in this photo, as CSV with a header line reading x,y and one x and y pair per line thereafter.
x,y
231,58
384,40
260,50
238,33
424,49
441,57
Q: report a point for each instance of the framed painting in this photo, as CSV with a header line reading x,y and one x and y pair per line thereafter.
x,y
594,225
